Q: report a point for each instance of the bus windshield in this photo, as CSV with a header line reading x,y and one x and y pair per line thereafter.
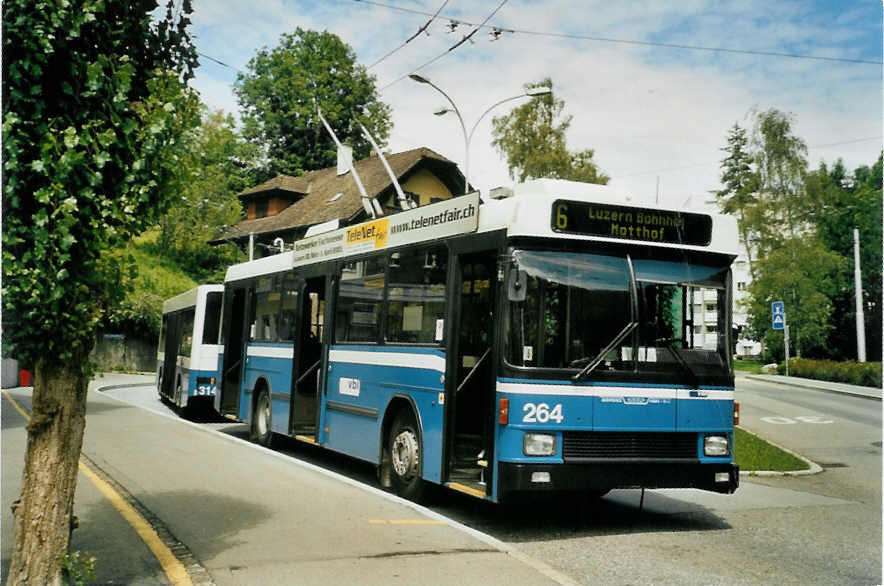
x,y
610,317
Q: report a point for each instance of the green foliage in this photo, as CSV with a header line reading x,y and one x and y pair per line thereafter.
x,y
94,103
78,568
532,138
740,185
865,374
208,179
753,453
152,280
844,202
282,89
802,274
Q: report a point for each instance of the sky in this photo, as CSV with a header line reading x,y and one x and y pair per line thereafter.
x,y
653,87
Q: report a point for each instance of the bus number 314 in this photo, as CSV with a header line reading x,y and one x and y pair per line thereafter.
x,y
542,413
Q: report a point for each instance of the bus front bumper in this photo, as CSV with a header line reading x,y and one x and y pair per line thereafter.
x,y
601,477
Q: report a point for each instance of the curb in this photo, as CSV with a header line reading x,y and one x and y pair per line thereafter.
x,y
802,385
196,572
814,467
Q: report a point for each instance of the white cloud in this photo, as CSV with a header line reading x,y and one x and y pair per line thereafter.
x,y
648,112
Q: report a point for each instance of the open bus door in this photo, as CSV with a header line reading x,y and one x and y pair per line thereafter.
x,y
308,360
234,335
470,395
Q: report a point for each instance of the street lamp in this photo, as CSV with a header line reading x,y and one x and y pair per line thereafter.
x,y
468,136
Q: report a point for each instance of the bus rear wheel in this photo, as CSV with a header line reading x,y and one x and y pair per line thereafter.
x,y
405,457
260,429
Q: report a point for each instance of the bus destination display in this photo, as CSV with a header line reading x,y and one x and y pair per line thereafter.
x,y
629,223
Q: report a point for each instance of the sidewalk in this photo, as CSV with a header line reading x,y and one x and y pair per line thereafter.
x,y
818,385
249,515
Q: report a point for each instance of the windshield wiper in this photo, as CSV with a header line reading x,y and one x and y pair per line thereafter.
x,y
695,380
581,376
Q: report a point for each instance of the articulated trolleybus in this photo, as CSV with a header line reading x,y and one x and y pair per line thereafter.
x,y
560,339
187,356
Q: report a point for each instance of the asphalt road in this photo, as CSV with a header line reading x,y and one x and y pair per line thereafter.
x,y
820,529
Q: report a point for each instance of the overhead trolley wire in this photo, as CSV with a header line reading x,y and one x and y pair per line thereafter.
x,y
450,49
412,37
640,43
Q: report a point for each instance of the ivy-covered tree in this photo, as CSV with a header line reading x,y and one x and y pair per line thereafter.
x,y
281,90
95,102
532,139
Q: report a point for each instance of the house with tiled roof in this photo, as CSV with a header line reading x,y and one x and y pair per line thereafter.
x,y
285,207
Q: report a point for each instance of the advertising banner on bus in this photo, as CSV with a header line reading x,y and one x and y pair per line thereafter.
x,y
458,215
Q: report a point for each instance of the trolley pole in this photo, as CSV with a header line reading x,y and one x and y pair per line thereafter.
x,y
858,286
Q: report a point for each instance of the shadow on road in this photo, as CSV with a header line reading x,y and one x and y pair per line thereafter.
x,y
620,512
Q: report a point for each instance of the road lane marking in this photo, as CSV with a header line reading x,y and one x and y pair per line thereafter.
x,y
406,522
173,568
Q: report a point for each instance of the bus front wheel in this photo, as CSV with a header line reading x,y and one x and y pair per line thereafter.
x,y
260,430
405,457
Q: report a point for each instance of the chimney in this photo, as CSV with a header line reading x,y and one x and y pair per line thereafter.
x,y
345,159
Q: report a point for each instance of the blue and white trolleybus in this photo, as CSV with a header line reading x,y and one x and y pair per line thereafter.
x,y
561,339
187,356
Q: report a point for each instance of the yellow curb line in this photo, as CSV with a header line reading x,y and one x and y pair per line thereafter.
x,y
173,568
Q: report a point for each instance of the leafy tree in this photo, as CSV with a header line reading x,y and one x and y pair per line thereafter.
x,y
780,166
281,90
94,103
802,274
210,176
740,186
844,202
532,138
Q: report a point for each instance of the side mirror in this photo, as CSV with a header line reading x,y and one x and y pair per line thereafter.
x,y
517,285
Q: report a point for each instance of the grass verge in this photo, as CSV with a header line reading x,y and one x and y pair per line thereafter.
x,y
753,453
748,366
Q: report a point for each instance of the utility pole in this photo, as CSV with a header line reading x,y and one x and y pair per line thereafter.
x,y
860,316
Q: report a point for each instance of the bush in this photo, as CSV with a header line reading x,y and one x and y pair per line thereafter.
x,y
866,374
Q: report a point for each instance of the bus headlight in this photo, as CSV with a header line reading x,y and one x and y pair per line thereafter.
x,y
716,446
539,444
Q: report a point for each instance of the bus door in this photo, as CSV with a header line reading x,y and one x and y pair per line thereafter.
x,y
470,394
308,359
234,334
170,354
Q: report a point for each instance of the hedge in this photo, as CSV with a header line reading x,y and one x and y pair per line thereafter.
x,y
866,374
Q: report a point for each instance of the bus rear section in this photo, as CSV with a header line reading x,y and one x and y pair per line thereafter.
x,y
187,356
616,371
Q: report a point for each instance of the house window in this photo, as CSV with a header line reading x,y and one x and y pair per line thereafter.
x,y
261,208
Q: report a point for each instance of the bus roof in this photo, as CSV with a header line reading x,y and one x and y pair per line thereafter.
x,y
188,298
530,212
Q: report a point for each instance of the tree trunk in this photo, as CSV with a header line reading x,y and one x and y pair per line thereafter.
x,y
43,516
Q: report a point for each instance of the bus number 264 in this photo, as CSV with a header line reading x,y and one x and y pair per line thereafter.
x,y
542,413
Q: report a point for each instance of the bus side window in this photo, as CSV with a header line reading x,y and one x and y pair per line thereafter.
x,y
360,301
267,301
416,296
289,317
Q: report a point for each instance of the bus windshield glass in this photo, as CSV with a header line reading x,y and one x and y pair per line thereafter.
x,y
608,317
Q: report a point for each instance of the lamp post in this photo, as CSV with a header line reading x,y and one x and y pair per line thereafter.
x,y
468,136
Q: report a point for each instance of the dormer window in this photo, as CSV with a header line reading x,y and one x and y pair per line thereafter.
x,y
261,208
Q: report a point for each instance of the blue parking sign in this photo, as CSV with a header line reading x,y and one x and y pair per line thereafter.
x,y
778,317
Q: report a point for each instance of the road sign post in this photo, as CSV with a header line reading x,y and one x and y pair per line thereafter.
x,y
778,321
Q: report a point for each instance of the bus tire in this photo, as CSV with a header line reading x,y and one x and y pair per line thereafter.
x,y
404,448
260,430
